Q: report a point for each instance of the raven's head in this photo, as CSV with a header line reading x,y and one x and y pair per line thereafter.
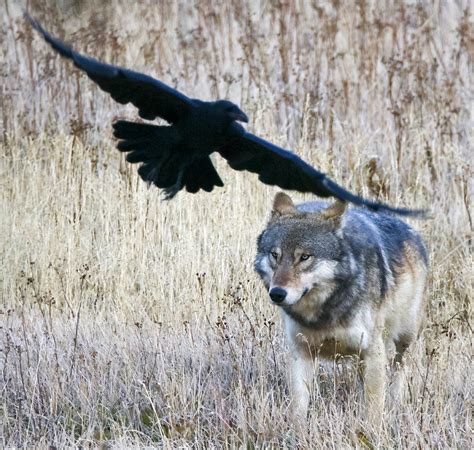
x,y
231,110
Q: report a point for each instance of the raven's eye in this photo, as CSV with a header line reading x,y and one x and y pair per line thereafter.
x,y
304,257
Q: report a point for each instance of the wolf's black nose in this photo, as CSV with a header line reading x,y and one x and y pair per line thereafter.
x,y
277,294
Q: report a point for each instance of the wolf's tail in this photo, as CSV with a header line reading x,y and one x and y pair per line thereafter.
x,y
164,163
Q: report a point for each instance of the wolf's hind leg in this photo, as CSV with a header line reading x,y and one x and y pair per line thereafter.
x,y
400,347
397,383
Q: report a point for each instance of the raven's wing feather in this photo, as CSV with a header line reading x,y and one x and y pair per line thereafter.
x,y
279,167
152,97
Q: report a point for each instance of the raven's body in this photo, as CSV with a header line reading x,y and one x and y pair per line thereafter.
x,y
177,156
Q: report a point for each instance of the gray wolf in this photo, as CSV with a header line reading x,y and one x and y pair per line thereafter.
x,y
346,282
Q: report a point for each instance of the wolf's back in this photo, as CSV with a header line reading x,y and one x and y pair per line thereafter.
x,y
392,239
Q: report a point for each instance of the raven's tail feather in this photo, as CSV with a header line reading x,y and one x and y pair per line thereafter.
x,y
201,174
157,147
132,130
153,146
149,141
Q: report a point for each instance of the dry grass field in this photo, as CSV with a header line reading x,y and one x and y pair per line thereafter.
x,y
129,321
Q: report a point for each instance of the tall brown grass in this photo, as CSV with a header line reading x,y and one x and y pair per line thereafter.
x,y
126,320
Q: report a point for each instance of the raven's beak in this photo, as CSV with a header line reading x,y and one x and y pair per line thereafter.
x,y
239,116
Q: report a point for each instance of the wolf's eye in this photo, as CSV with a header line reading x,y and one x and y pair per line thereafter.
x,y
304,257
274,255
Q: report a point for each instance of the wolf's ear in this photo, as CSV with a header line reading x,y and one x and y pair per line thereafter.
x,y
334,212
282,206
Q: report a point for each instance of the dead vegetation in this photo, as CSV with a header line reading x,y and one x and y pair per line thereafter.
x,y
129,321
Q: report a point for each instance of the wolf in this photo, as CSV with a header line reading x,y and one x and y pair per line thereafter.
x,y
347,282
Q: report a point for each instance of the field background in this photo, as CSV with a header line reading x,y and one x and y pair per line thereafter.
x,y
126,320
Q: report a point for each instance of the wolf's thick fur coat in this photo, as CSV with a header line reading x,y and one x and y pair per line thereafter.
x,y
347,282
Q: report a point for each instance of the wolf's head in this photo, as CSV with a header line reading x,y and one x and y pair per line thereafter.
x,y
301,252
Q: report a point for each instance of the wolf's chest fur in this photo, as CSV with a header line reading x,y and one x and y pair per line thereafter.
x,y
348,338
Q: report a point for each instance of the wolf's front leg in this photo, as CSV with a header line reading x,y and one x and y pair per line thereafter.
x,y
301,374
375,376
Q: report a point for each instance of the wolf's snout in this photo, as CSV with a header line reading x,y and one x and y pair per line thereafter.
x,y
277,294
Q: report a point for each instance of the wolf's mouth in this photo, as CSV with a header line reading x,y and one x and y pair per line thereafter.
x,y
287,306
303,294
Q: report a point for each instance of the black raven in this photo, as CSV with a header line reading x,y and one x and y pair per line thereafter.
x,y
177,156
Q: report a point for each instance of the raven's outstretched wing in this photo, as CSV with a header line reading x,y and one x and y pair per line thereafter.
x,y
279,167
152,97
